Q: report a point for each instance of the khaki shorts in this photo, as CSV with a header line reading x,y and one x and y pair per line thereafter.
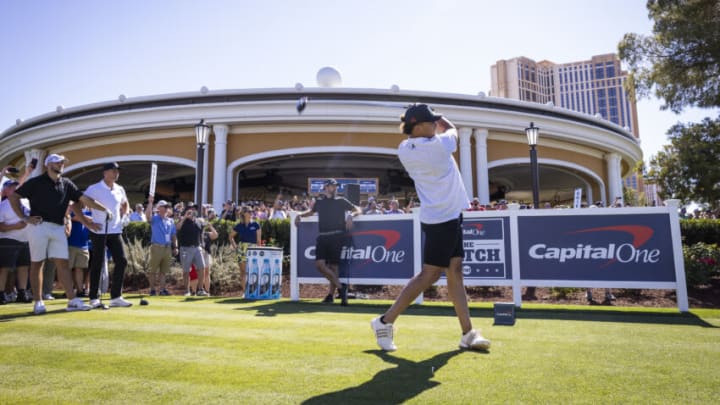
x,y
208,259
79,258
160,258
47,241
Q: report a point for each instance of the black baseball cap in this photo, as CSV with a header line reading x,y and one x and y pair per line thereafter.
x,y
419,113
111,166
329,182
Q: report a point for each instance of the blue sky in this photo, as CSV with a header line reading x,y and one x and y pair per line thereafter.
x,y
76,52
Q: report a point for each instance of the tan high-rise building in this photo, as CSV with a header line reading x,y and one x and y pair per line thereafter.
x,y
595,87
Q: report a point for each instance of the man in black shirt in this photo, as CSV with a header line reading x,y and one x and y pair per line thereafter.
x,y
333,224
49,195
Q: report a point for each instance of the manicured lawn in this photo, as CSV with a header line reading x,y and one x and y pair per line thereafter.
x,y
224,350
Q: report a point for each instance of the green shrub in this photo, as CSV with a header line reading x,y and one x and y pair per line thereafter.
x,y
563,292
702,263
700,230
138,231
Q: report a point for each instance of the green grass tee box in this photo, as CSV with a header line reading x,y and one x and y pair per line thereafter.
x,y
226,350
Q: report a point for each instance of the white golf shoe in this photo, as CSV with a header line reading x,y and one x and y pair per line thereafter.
x,y
474,341
383,334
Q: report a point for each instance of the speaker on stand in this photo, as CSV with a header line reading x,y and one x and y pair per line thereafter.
x,y
352,193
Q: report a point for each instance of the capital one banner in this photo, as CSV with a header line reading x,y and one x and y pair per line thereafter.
x,y
635,247
373,249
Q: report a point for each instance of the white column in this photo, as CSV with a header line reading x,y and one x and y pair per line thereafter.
x,y
40,156
220,164
614,178
466,160
481,165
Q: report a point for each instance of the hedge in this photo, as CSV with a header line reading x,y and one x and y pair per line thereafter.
x,y
275,232
700,231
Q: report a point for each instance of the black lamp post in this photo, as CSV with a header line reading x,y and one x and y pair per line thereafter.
x,y
532,133
202,131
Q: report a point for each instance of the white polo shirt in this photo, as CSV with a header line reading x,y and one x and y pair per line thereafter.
x,y
8,217
430,163
112,199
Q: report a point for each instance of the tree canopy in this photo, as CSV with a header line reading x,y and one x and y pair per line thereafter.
x,y
688,168
681,60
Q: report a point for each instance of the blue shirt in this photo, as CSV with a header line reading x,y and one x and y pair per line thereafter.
x,y
247,233
163,229
79,234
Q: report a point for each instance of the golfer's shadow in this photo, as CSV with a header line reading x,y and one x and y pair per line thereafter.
x,y
393,385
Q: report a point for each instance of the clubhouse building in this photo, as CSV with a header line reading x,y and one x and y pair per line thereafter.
x,y
261,145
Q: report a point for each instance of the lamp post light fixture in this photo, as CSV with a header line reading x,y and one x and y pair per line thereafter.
x,y
202,132
532,133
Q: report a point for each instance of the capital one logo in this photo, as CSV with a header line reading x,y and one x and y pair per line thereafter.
x,y
631,252
474,229
369,252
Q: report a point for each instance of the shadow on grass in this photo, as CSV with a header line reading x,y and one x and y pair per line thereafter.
x,y
393,385
275,308
29,314
626,316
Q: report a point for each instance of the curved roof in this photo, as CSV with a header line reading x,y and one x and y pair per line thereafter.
x,y
326,105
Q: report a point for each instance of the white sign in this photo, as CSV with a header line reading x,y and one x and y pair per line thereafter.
x,y
153,178
578,198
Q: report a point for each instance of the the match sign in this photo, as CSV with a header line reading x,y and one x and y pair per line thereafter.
x,y
487,248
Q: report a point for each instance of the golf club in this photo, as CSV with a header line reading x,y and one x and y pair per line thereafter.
x,y
107,220
303,102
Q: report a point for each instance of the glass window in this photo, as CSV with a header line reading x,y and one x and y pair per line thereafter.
x,y
599,71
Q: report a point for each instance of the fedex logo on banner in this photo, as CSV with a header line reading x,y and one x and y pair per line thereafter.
x,y
597,247
373,249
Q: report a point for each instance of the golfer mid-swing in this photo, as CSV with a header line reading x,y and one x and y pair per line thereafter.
x,y
427,157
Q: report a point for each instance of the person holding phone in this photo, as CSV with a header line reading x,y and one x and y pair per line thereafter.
x,y
189,236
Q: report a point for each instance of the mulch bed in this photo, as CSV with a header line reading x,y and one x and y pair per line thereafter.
x,y
705,297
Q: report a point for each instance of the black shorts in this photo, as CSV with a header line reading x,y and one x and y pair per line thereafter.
x,y
14,253
329,247
442,242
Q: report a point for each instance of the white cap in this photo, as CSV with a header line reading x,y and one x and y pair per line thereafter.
x,y
55,158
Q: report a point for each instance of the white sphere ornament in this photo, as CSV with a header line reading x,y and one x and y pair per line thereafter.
x,y
395,88
59,108
122,98
328,77
299,86
204,90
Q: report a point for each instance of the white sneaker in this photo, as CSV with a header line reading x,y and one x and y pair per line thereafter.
x,y
120,302
77,304
473,340
48,297
39,308
201,293
383,334
96,303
